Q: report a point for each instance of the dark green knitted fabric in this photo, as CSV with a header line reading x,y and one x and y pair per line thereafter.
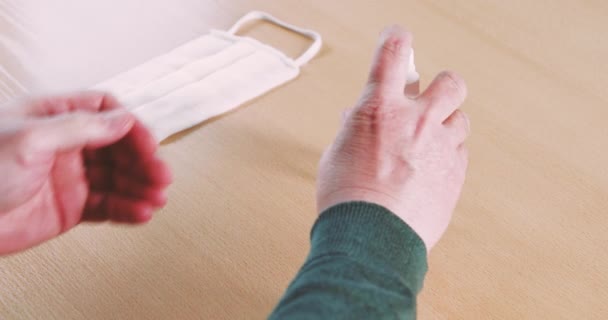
x,y
364,263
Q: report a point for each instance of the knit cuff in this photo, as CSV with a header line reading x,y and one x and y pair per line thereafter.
x,y
371,234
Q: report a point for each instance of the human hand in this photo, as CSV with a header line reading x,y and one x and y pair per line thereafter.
x,y
75,158
402,151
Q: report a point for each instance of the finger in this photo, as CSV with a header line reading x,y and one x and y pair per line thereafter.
x,y
155,196
139,143
445,94
346,113
102,206
97,156
76,130
458,126
105,180
68,172
390,66
83,101
154,172
100,177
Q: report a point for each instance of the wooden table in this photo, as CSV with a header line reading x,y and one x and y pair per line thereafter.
x,y
529,237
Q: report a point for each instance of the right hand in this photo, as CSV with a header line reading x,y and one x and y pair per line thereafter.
x,y
74,158
403,152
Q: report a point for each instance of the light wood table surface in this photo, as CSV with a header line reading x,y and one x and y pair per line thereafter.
x,y
529,238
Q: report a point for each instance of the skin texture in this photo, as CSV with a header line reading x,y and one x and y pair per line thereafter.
x,y
65,160
398,148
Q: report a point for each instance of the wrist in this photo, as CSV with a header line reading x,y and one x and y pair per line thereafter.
x,y
372,196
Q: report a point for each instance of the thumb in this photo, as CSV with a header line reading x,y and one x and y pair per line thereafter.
x,y
77,130
390,67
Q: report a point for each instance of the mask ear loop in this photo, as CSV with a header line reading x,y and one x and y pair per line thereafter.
x,y
306,56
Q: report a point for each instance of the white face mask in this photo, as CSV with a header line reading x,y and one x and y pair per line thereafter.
x,y
206,77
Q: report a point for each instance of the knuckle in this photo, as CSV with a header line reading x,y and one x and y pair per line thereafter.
x,y
368,111
379,107
372,101
392,46
376,98
380,123
455,82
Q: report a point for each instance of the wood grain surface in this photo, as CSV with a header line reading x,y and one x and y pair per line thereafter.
x,y
529,237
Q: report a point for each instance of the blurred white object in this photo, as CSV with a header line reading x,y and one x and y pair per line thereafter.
x,y
206,77
75,44
412,74
15,45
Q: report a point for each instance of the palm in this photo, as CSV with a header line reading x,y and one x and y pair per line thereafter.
x,y
58,203
49,193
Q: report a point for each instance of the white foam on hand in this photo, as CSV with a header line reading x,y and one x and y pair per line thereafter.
x,y
412,74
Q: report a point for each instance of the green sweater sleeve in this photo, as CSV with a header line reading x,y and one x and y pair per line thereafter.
x,y
364,263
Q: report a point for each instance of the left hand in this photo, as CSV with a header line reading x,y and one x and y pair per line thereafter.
x,y
75,158
399,149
